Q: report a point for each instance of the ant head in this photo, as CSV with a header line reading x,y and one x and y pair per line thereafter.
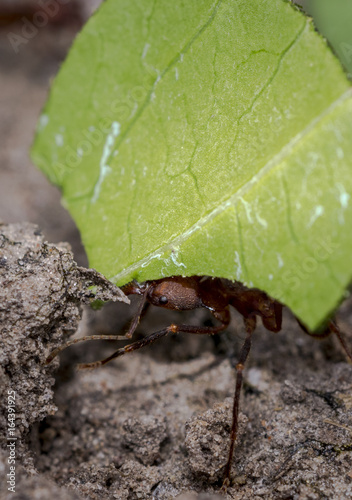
x,y
175,293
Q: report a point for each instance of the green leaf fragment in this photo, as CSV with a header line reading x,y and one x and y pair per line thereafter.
x,y
209,138
334,21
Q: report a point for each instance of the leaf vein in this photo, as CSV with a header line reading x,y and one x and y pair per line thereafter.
x,y
172,63
269,81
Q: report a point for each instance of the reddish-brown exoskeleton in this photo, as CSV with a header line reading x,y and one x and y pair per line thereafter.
x,y
216,295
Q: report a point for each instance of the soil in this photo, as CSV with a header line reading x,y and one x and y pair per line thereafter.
x,y
155,424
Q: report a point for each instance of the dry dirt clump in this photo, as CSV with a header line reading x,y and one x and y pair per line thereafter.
x,y
155,424
41,292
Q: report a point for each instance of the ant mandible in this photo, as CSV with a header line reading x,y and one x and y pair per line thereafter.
x,y
216,295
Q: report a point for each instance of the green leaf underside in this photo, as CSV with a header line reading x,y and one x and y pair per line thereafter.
x,y
209,138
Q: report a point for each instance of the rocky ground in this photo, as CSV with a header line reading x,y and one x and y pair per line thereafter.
x,y
153,424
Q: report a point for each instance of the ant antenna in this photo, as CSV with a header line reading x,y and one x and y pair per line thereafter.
x,y
57,351
134,323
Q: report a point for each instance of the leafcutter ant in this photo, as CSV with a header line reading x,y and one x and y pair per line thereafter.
x,y
216,295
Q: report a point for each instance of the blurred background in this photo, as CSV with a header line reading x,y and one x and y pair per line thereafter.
x,y
35,36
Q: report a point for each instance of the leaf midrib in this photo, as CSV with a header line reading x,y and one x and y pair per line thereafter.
x,y
240,193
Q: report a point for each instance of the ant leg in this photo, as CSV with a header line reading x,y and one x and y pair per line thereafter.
x,y
142,309
320,335
250,324
332,327
150,339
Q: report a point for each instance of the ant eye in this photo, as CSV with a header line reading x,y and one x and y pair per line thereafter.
x,y
163,300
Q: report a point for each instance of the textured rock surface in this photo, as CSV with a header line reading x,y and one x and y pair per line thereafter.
x,y
41,292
